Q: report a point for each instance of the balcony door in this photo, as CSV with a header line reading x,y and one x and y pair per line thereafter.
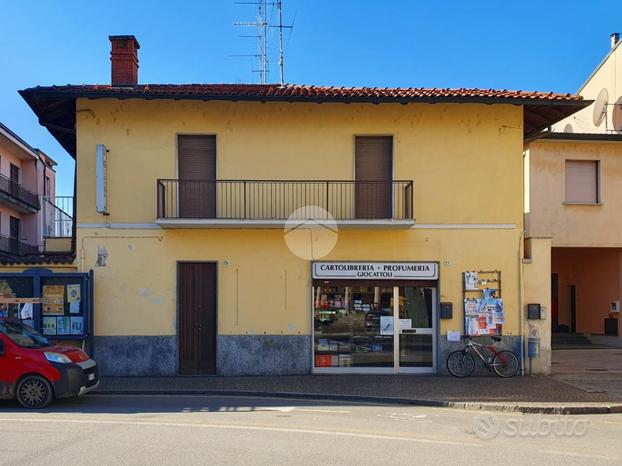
x,y
14,180
197,176
373,171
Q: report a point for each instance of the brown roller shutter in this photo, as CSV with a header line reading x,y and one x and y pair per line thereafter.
x,y
373,174
197,176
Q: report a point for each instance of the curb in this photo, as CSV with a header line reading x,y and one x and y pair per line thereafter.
x,y
467,405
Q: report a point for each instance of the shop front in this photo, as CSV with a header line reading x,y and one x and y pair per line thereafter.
x,y
375,317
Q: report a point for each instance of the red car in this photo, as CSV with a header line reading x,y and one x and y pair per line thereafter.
x,y
35,371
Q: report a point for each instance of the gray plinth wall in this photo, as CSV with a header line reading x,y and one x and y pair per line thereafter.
x,y
156,356
264,354
149,356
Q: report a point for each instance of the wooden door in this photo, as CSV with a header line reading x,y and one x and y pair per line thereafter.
x,y
197,176
373,169
196,292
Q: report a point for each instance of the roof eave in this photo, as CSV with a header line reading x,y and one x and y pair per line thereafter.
x,y
544,112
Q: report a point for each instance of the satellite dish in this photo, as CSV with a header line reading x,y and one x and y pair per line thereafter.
x,y
600,107
617,115
568,128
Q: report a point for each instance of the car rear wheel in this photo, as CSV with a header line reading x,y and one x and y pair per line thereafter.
x,y
34,392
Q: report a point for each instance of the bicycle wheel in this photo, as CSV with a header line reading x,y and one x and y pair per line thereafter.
x,y
505,364
460,364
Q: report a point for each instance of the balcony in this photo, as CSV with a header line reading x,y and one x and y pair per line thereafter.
x,y
16,247
57,217
270,203
16,196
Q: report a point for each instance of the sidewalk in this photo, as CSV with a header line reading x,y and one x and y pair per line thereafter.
x,y
520,394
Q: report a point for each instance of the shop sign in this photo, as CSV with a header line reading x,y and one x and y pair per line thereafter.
x,y
376,270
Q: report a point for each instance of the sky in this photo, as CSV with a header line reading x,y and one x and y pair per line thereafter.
x,y
527,45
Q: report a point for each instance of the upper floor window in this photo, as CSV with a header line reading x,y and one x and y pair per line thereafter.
x,y
582,182
46,186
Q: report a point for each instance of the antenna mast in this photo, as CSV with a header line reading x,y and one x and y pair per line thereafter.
x,y
263,25
279,5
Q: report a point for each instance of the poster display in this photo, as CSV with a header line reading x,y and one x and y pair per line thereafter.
x,y
55,304
483,316
73,293
49,325
53,300
77,325
386,325
63,326
471,281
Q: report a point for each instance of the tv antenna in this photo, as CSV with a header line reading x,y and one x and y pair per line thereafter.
x,y
263,24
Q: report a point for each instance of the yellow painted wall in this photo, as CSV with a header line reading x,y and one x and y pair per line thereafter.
x,y
574,225
468,150
466,161
262,286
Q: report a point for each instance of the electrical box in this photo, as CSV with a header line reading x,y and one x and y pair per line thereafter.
x,y
447,310
535,311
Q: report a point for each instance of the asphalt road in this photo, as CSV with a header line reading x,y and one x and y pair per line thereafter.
x,y
184,430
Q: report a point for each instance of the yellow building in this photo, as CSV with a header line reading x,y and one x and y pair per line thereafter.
x,y
265,229
573,197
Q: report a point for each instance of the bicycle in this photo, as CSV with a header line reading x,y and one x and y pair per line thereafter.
x,y
461,363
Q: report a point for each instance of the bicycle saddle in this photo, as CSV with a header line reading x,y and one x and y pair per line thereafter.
x,y
496,338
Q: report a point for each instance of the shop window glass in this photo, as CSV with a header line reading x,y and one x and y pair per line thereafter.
x,y
353,325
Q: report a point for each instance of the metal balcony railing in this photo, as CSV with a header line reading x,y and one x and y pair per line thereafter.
x,y
18,192
57,212
17,247
279,199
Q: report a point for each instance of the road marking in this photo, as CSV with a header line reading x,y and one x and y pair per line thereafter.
x,y
256,428
335,411
403,416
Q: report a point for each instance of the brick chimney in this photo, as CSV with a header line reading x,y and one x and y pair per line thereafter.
x,y
124,59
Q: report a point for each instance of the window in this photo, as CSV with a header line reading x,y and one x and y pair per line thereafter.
x,y
582,182
46,186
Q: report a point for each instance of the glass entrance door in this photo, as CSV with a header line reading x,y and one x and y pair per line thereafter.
x,y
416,329
373,328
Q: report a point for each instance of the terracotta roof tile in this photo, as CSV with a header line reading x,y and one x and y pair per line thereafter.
x,y
302,92
49,259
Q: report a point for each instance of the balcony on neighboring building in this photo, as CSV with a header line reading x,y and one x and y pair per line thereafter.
x,y
57,217
17,247
270,203
18,197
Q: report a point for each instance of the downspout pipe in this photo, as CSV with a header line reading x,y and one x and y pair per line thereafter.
x,y
521,316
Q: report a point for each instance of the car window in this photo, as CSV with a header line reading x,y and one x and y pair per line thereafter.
x,y
23,335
